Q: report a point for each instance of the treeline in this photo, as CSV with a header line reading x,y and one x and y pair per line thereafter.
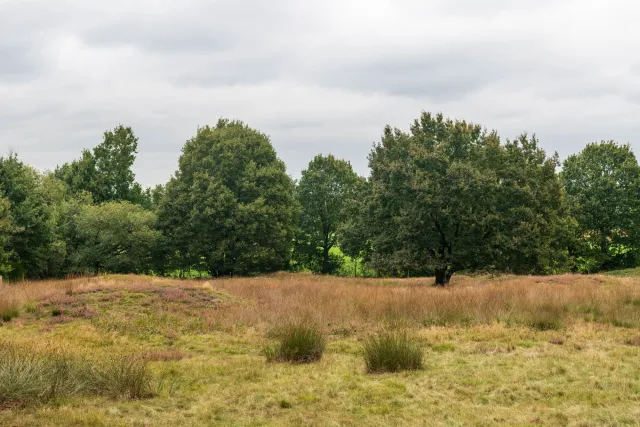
x,y
445,197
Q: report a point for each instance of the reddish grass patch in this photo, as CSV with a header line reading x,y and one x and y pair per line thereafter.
x,y
164,355
635,341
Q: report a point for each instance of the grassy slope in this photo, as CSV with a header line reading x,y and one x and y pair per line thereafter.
x,y
483,365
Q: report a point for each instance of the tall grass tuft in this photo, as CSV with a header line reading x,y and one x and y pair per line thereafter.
x,y
9,309
392,351
545,318
29,374
298,343
23,376
125,376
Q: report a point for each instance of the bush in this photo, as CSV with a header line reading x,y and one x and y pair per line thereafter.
x,y
391,351
299,343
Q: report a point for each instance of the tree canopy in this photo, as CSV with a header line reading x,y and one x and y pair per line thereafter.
x,y
106,173
116,237
326,188
230,208
603,187
448,196
444,196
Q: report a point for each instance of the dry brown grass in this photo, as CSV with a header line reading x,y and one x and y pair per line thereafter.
x,y
350,304
356,303
489,355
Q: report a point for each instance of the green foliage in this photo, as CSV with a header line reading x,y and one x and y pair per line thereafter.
x,y
392,351
230,207
298,343
116,237
603,187
445,197
7,229
449,196
325,189
106,172
353,233
27,229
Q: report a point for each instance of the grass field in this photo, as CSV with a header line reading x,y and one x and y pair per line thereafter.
x,y
559,350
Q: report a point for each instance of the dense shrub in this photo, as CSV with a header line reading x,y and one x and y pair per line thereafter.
x,y
392,351
298,343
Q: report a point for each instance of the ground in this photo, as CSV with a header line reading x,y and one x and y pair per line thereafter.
x,y
560,350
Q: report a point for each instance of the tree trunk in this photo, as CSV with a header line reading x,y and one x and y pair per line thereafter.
x,y
443,275
325,260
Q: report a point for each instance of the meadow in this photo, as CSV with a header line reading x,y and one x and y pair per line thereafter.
x,y
144,351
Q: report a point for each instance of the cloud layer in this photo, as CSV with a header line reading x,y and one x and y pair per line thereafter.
x,y
317,76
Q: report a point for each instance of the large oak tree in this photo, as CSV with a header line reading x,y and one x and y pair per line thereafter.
x,y
448,196
230,207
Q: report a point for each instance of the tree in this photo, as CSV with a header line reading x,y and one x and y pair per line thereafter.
x,y
230,208
33,234
116,237
325,189
353,234
7,229
533,226
449,196
603,187
106,172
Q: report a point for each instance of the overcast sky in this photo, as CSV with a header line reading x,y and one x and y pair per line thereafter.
x,y
317,76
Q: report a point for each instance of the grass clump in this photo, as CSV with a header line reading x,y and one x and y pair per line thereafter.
x,y
545,318
9,310
392,351
29,374
298,343
125,376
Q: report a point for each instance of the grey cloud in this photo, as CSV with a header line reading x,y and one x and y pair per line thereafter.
x,y
440,75
229,70
316,76
439,78
18,62
201,26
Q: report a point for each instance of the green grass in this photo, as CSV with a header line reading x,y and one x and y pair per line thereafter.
x,y
392,351
627,272
31,374
297,343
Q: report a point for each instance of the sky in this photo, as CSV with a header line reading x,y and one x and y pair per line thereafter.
x,y
317,76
